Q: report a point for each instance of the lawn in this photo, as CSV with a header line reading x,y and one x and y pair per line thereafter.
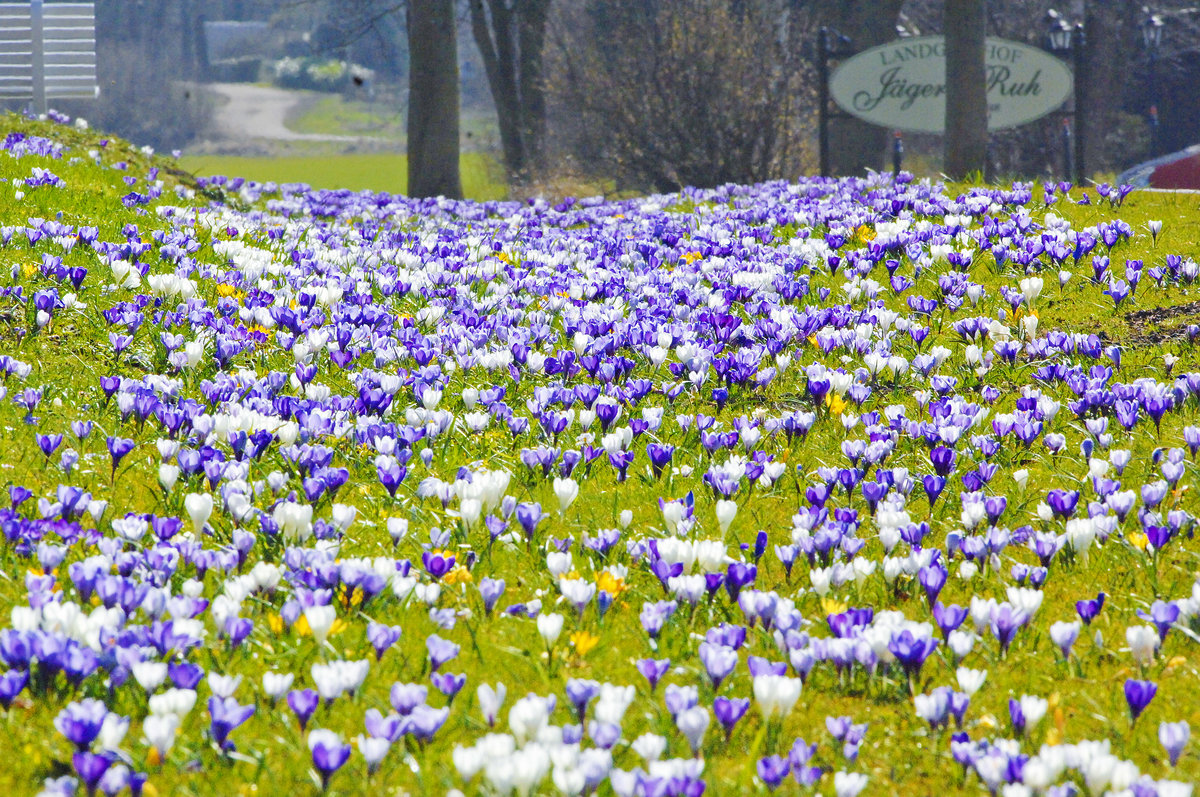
x,y
482,176
334,115
832,486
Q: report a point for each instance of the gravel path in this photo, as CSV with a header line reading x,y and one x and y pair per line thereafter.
x,y
259,112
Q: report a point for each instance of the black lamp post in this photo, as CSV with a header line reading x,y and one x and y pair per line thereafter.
x,y
1062,38
1152,31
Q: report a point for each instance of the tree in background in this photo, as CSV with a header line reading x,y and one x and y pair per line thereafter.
x,y
511,36
432,100
664,94
139,69
966,135
366,32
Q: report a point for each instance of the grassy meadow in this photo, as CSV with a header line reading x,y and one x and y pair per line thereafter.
x,y
482,176
339,341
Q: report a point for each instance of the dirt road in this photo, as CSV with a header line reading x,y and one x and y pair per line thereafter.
x,y
258,112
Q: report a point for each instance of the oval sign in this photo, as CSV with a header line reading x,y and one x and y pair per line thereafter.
x,y
902,85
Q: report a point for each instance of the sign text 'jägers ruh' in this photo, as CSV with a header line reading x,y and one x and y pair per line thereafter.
x,y
902,85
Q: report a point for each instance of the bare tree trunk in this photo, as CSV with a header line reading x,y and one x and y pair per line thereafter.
x,y
1109,65
531,40
432,100
511,35
490,27
966,135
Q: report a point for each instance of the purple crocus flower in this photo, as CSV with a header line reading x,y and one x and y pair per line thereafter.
x,y
1163,614
653,670
959,703
1158,536
738,576
425,721
406,697
948,618
118,448
81,721
943,459
605,735
328,753
48,443
1064,635
1191,436
11,684
391,474
1088,609
772,770
227,715
660,456
91,768
18,495
911,651
28,398
1117,290
382,637
729,710
1154,492
1006,621
932,579
580,692
1138,695
390,727
448,684
1063,502
933,486
490,589
185,674
655,615
436,564
762,666
1174,737
799,757
719,661
440,651
621,460
680,698
303,702
529,515
1016,714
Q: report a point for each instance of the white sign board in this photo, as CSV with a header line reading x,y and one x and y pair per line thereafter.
x,y
902,85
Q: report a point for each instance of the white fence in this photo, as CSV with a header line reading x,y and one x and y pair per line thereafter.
x,y
47,52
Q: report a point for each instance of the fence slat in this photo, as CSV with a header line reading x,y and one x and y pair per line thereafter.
x,y
72,46
69,33
69,60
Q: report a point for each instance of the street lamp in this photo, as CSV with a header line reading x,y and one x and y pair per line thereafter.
x,y
1058,32
1152,31
1063,38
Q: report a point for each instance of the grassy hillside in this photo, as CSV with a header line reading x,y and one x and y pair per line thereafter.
x,y
298,479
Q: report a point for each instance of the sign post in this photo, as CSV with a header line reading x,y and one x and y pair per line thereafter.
x,y
37,34
824,114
